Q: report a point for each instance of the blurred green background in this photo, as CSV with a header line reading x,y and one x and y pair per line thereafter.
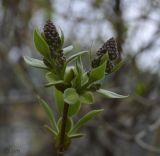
x,y
127,127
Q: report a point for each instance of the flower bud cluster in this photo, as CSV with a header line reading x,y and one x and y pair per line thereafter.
x,y
54,41
110,48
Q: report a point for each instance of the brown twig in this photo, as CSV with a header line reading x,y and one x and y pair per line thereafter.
x,y
63,129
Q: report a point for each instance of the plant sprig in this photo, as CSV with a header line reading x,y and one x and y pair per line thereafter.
x,y
73,86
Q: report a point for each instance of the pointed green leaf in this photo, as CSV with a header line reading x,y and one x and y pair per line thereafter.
x,y
110,94
61,36
68,49
85,78
68,124
35,62
51,77
40,44
76,55
104,58
70,96
85,119
58,97
76,135
69,74
49,113
78,72
53,83
98,72
87,97
74,109
52,131
118,66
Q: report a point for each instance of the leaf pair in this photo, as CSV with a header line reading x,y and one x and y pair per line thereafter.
x,y
71,97
59,100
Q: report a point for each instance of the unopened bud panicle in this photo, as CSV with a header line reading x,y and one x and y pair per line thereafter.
x,y
54,41
109,67
52,36
96,62
111,47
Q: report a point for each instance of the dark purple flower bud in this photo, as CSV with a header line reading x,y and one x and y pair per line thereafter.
x,y
111,47
109,67
52,36
96,62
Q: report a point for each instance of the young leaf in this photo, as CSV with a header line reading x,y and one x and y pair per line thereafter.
x,y
110,94
70,96
49,113
58,96
98,72
76,135
35,62
68,124
52,131
73,109
118,66
51,77
61,36
78,72
69,74
76,55
40,44
68,49
53,83
85,119
85,78
87,97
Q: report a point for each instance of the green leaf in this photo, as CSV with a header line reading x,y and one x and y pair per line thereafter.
x,y
40,44
74,109
76,55
49,113
87,97
53,83
76,135
104,58
51,77
68,124
78,72
69,74
118,66
85,119
58,97
70,96
61,36
52,131
98,72
68,49
85,78
35,62
110,94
